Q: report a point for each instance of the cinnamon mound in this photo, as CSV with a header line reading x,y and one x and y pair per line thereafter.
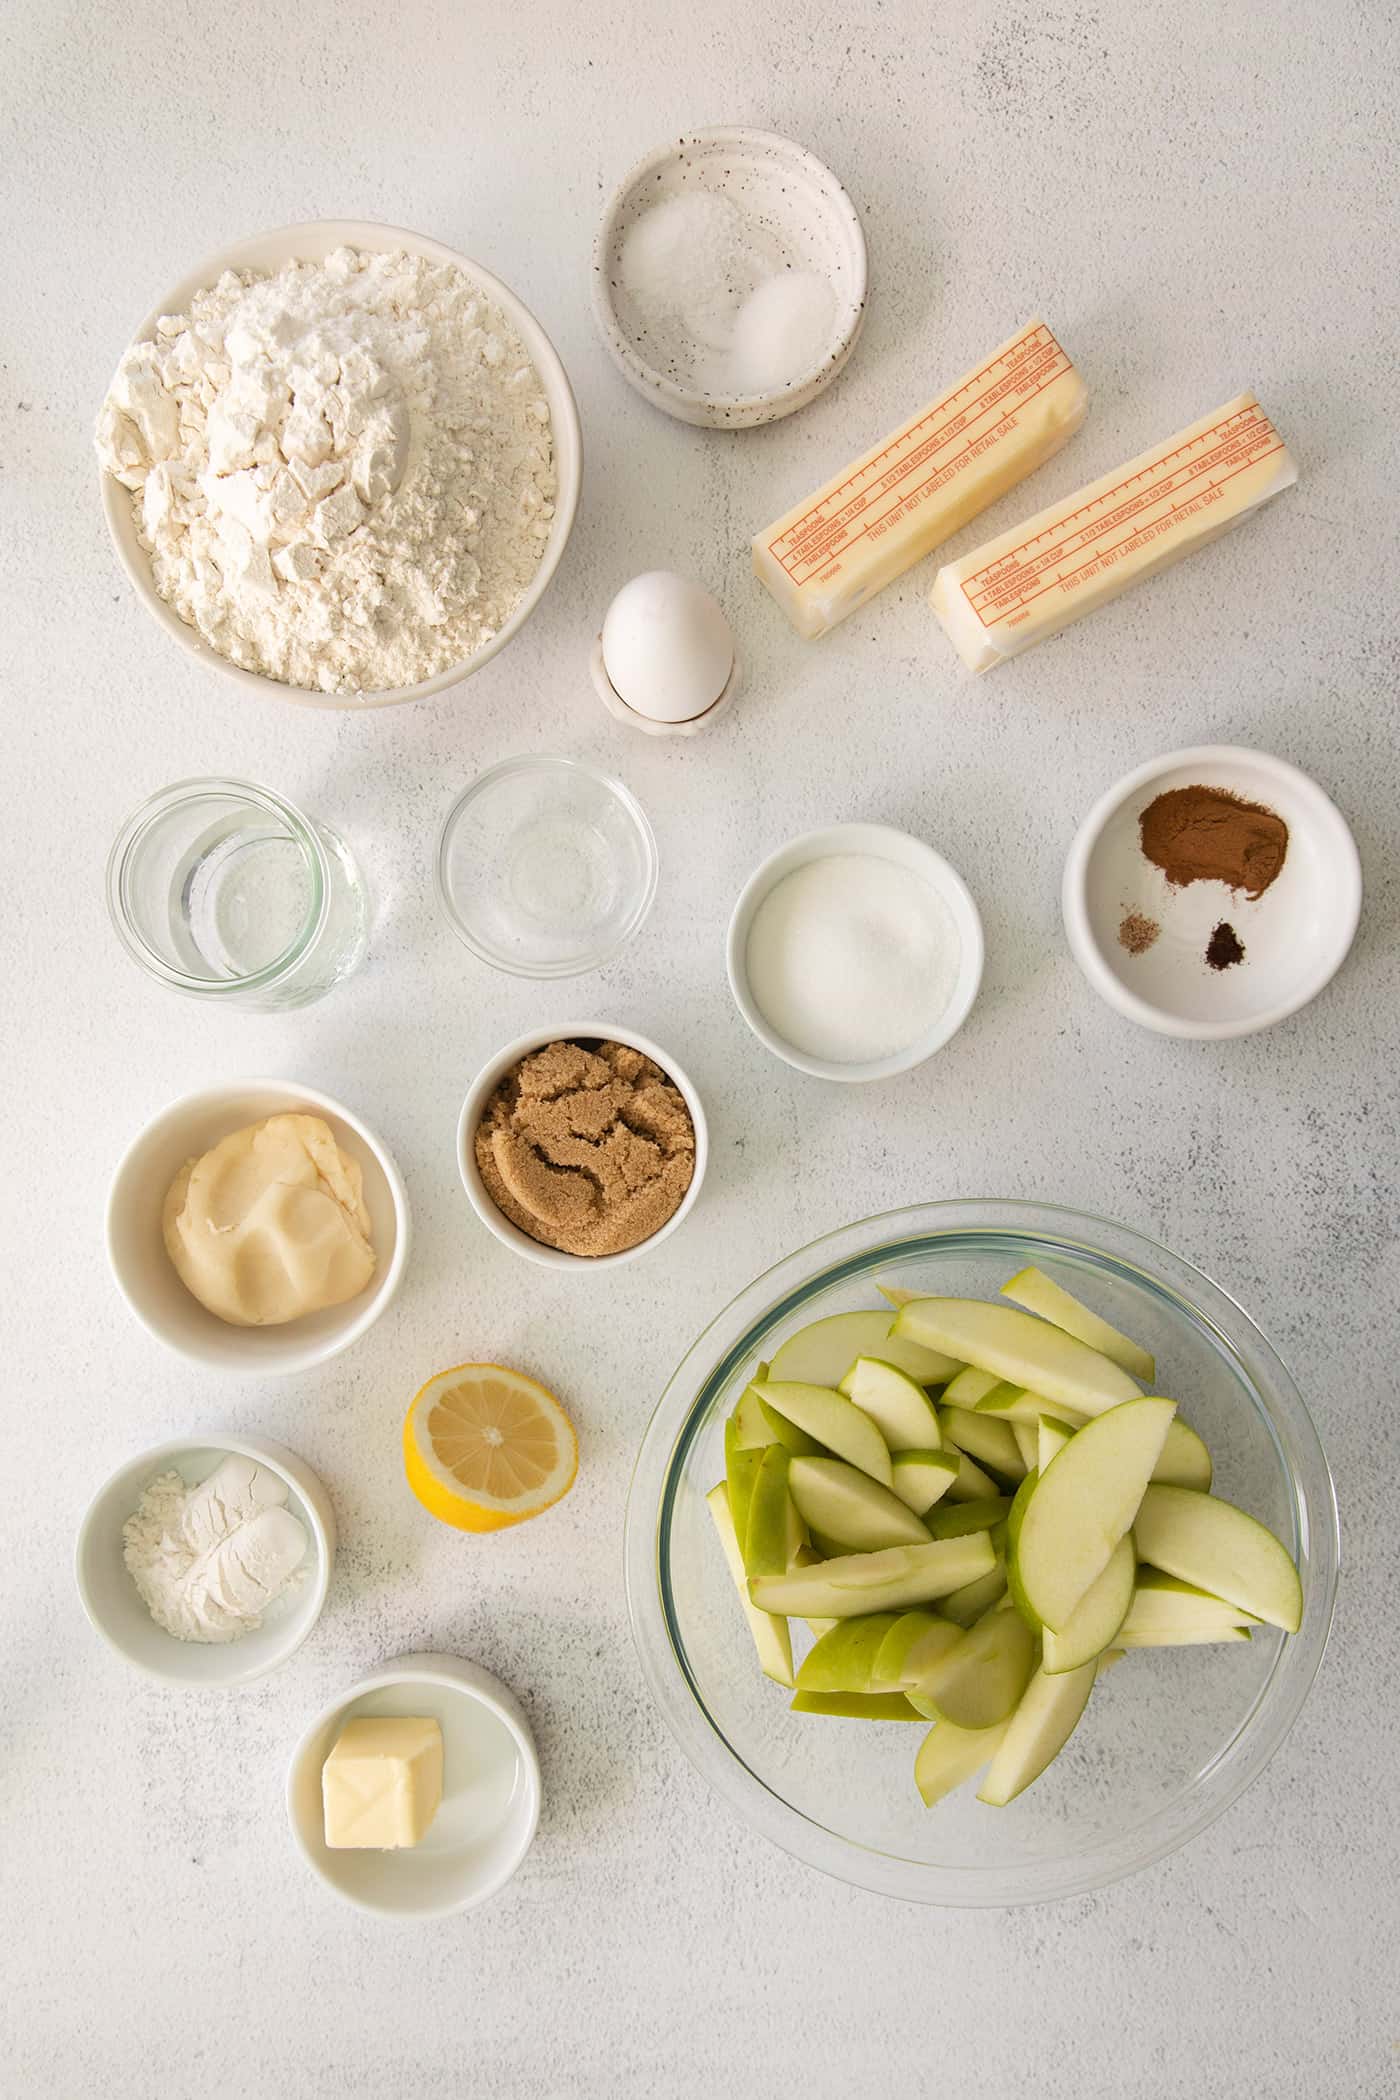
x,y
1209,834
587,1148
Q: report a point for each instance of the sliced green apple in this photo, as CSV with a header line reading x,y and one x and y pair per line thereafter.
x,y
1039,1293
1162,1602
856,1706
823,1352
1037,1732
1098,1618
847,1507
898,1406
783,1432
1082,1504
1220,1549
928,1652
751,1429
1027,1443
990,1443
1052,1434
741,1464
834,1421
1014,1403
920,1478
966,1606
949,1756
888,1670
970,1387
1185,1461
971,1484
977,1678
774,1531
771,1637
1023,1350
856,1583
843,1660
956,1520
1206,1636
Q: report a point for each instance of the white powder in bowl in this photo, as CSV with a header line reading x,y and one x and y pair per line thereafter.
x,y
852,959
343,473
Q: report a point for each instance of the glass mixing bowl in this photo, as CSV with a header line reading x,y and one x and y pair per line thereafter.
x,y
1171,1736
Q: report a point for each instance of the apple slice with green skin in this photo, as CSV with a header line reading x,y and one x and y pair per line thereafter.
x,y
972,1484
822,1352
1052,1434
1027,1443
970,1387
949,1756
857,1583
834,1421
989,1443
900,1409
848,1508
771,1637
808,1557
1183,1637
966,1606
1185,1461
1098,1619
1021,1349
1081,1506
741,1464
844,1659
957,1520
978,1678
1163,1602
786,1433
1219,1548
1039,1293
751,1430
1013,1404
928,1653
888,1670
1037,1732
775,1530
920,1478
857,1706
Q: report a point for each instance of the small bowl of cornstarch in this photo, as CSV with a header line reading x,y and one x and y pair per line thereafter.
x,y
855,952
340,463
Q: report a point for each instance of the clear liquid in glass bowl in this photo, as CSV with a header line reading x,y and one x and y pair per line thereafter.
x,y
1170,1736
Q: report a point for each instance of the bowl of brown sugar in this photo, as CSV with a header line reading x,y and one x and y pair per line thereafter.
x,y
582,1146
1211,892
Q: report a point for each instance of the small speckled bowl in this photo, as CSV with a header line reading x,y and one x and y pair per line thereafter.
x,y
474,1107
795,200
1295,936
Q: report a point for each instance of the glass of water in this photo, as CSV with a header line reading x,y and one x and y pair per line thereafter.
x,y
223,890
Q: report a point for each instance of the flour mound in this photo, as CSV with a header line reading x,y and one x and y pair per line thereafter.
x,y
343,473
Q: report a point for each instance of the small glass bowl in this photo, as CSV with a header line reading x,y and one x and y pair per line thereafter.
x,y
1171,1737
546,866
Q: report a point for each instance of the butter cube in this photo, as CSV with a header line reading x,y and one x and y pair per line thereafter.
x,y
382,1783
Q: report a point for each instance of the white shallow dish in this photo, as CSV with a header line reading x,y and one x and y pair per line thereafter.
x,y
146,1277
883,842
312,242
113,1603
490,1790
485,1084
796,200
1296,936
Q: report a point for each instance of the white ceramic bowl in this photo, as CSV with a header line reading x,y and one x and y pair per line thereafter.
x,y
882,842
311,243
113,1603
490,1791
794,198
1295,936
485,1084
146,1276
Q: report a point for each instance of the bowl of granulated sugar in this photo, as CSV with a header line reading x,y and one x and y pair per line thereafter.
x,y
855,952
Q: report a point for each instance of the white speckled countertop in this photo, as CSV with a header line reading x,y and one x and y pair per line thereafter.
x,y
1201,198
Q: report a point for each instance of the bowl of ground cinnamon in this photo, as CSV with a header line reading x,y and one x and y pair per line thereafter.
x,y
582,1146
1211,892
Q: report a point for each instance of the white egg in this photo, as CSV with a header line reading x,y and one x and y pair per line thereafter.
x,y
667,647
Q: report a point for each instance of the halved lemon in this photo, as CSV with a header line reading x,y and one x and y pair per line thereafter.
x,y
484,1447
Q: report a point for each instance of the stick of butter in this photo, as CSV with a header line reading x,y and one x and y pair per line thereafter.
x,y
382,1783
1036,578
922,483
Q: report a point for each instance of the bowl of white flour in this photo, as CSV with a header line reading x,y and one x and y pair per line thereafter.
x,y
340,462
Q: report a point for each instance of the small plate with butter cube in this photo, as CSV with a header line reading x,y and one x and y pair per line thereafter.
x,y
418,1791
